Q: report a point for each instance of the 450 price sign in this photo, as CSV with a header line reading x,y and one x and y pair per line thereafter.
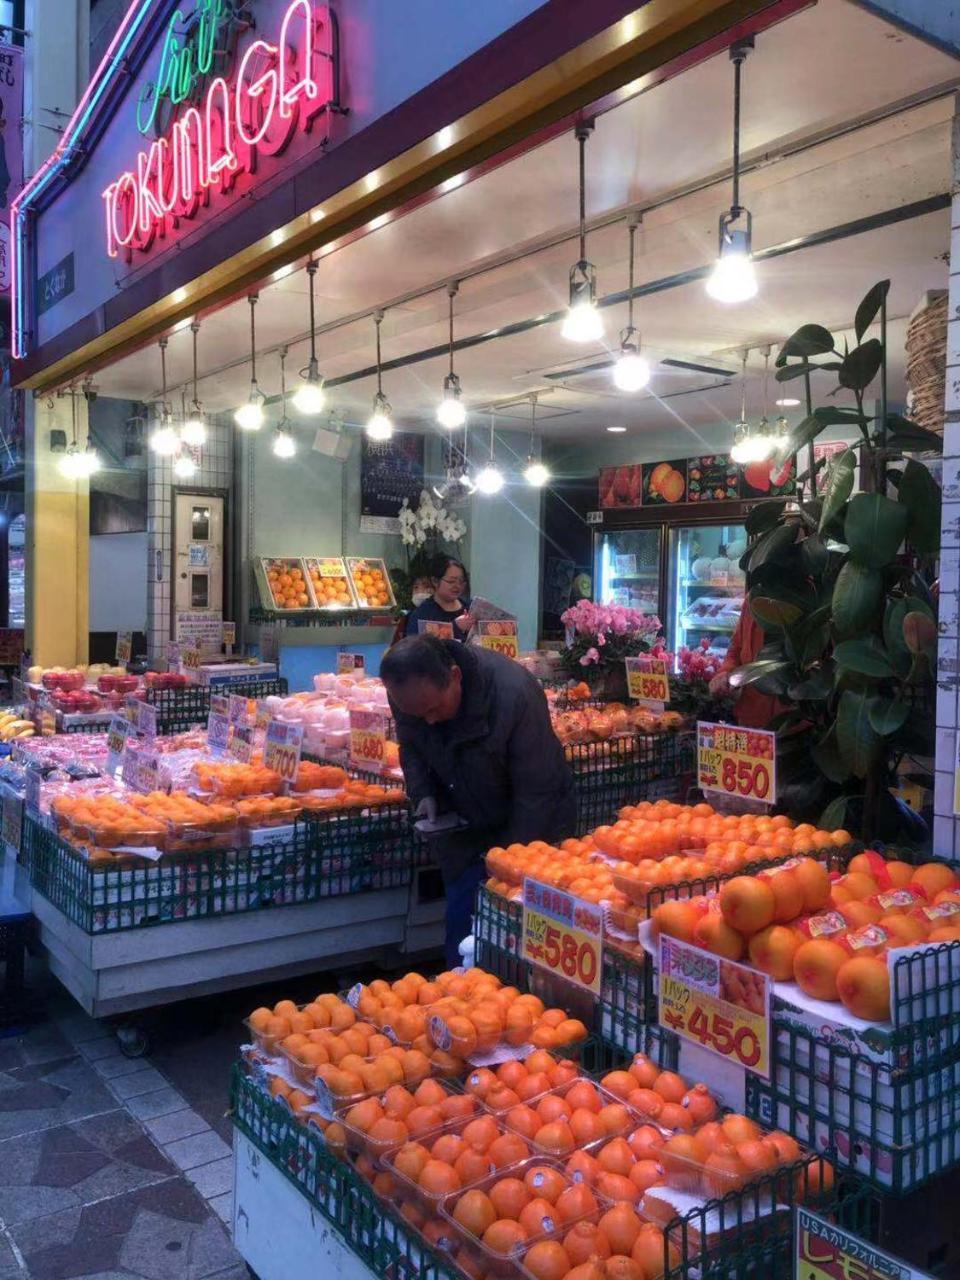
x,y
716,1003
737,762
563,934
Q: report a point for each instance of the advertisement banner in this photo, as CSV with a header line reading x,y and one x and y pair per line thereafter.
x,y
390,470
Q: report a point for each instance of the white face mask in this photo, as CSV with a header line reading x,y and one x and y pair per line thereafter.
x,y
419,597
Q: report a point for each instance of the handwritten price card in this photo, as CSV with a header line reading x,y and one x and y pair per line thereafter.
x,y
281,749
368,736
348,663
647,681
716,1003
500,636
241,743
124,646
563,934
737,762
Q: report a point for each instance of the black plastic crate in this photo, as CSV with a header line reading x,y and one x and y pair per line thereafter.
x,y
620,771
181,709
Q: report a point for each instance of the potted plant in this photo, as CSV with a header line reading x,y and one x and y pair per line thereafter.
x,y
600,637
848,614
426,530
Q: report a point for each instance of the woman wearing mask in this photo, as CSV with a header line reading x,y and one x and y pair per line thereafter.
x,y
448,600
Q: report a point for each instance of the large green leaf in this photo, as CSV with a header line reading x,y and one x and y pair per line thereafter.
x,y
857,741
770,612
867,657
814,556
760,670
763,517
808,340
838,485
834,816
920,494
817,686
867,311
862,365
802,434
856,599
887,715
826,756
905,434
874,528
772,546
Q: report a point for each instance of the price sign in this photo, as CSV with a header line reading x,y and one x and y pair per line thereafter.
x,y
33,780
240,710
563,934
229,634
281,749
148,771
218,732
368,736
738,762
348,663
500,636
824,1251
12,820
220,704
146,721
647,681
241,743
190,658
716,1003
124,646
173,656
116,741
442,630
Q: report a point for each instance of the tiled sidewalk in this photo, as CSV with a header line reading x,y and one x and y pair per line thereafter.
x,y
105,1172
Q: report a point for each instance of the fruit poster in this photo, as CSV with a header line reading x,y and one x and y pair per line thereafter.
x,y
665,483
390,470
621,488
770,479
715,477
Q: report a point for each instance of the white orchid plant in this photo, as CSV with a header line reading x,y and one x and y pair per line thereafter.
x,y
425,530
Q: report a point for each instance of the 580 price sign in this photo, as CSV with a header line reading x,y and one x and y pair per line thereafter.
x,y
716,1003
563,934
737,762
647,680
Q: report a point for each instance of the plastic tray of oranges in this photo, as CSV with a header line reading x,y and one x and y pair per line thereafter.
x,y
578,1115
329,582
284,584
267,811
371,583
520,1081
509,1212
379,1125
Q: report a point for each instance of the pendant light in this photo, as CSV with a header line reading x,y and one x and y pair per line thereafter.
x,y
733,278
309,397
283,445
184,464
380,422
77,463
631,372
249,417
450,411
193,432
164,439
489,479
750,444
536,474
583,323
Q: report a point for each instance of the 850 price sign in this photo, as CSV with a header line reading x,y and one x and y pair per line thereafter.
x,y
563,934
738,762
716,1003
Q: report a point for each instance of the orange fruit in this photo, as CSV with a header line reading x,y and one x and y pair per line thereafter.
x,y
737,1128
481,1133
933,878
621,1225
615,1119
537,1217
385,1130
617,1187
647,1173
422,1120
646,1142
747,904
472,1165
583,1168
772,951
576,1201
816,965
715,935
814,881
653,1253
504,1236
616,1156
448,1148
670,1086
508,1149
553,1107
410,1160
620,1083
547,1260
475,1212
523,1120
544,1181
585,1241
518,1024
863,985
437,1178
556,1137
509,1197
585,1126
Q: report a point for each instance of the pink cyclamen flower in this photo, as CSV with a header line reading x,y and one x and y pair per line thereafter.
x,y
589,657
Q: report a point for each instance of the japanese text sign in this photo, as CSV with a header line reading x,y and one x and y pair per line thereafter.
x,y
827,1252
563,934
368,736
736,761
647,680
499,635
281,749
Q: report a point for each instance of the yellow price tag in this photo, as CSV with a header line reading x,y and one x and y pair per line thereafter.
x,y
738,762
563,934
647,679
281,749
507,645
825,1251
190,659
368,737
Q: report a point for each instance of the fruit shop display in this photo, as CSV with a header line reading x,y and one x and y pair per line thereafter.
x,y
287,584
371,584
323,713
828,934
610,721
330,584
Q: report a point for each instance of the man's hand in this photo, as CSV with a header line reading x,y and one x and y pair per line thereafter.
x,y
427,808
720,684
463,623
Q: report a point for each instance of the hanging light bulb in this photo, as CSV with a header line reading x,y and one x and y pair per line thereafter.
x,y
750,443
631,371
283,443
250,415
380,423
68,466
184,466
780,434
582,322
489,479
163,438
733,278
193,430
77,463
535,473
309,397
451,413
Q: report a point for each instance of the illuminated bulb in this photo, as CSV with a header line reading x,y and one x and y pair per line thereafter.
x,y
68,465
733,279
164,439
193,433
787,402
749,445
310,397
184,467
284,445
489,480
380,423
582,322
79,464
450,411
632,370
536,474
249,417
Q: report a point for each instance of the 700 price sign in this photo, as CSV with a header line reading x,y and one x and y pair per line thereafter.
x,y
736,761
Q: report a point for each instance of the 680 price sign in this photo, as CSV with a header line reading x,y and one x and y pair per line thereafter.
x,y
368,736
563,934
716,1003
737,762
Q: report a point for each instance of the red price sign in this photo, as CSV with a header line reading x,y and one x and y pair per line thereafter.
x,y
738,762
716,1003
647,680
281,749
368,737
563,934
190,659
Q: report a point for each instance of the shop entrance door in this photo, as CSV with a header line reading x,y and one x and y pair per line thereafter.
x,y
198,553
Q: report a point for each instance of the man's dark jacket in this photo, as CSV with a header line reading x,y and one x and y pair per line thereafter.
x,y
497,763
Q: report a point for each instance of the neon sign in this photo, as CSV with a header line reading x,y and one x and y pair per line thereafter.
x,y
183,62
278,90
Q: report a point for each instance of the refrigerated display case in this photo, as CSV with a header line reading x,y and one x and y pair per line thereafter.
x,y
705,584
628,568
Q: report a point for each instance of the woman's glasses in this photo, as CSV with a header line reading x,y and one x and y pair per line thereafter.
x,y
454,582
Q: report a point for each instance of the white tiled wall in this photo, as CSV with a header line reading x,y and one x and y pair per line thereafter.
x,y
215,472
946,828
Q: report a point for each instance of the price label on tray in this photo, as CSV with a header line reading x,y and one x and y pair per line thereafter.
x,y
737,762
124,646
148,771
241,743
500,636
242,710
348,663
117,736
281,749
218,732
368,737
190,659
147,720
563,934
824,1251
647,681
716,1003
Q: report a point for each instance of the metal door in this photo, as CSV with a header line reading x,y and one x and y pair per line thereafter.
x,y
198,553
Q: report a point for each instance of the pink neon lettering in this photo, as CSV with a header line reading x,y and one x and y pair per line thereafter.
x,y
220,155
253,99
303,57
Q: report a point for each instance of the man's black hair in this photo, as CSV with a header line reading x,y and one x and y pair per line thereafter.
x,y
418,658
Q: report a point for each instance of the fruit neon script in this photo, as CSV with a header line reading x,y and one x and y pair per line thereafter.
x,y
278,90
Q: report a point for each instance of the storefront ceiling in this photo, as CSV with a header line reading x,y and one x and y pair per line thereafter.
x,y
813,166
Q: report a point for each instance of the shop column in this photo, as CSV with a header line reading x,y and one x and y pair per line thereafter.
x,y
58,538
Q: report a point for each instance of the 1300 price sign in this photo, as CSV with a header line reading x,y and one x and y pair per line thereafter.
x,y
738,762
563,934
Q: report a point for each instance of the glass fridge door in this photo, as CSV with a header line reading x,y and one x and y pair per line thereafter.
x,y
706,585
628,568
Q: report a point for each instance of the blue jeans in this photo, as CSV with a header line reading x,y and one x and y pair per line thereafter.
x,y
461,896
